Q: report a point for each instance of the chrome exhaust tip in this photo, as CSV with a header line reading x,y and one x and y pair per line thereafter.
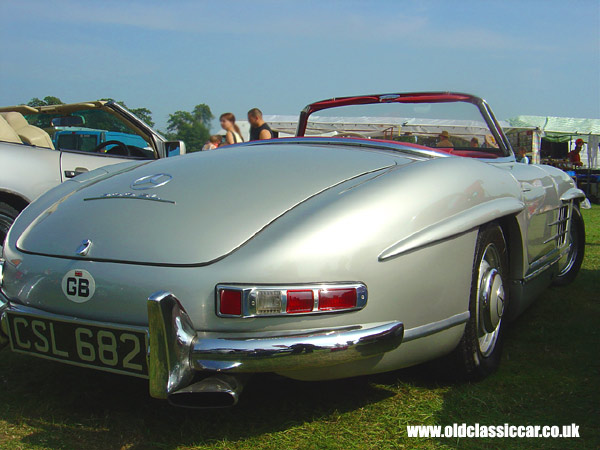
x,y
218,391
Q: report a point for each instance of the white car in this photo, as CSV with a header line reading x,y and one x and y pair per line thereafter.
x,y
40,147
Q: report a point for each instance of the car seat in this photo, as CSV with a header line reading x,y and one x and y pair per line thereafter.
x,y
7,134
27,133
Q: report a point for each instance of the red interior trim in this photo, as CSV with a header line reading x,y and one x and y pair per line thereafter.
x,y
427,97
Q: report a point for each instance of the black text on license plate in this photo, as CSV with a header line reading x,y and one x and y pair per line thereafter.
x,y
107,348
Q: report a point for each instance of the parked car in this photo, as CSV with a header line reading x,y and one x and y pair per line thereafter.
x,y
314,258
40,147
88,140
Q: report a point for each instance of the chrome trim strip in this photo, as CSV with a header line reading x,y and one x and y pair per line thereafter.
x,y
129,197
435,327
549,261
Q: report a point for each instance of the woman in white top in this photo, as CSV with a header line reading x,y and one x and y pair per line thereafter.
x,y
233,135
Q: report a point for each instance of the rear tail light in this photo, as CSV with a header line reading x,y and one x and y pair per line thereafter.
x,y
257,301
336,299
300,301
230,302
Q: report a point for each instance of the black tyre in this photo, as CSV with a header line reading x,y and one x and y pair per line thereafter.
x,y
478,353
8,214
569,265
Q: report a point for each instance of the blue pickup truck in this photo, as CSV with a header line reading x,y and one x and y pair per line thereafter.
x,y
88,139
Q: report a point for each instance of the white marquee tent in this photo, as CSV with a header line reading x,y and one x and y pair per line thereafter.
x,y
553,128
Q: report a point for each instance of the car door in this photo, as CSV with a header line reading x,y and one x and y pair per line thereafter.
x,y
72,163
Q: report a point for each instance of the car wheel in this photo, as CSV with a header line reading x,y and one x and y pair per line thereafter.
x,y
478,353
569,264
8,214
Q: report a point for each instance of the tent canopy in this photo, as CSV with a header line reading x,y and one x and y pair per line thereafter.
x,y
374,126
557,129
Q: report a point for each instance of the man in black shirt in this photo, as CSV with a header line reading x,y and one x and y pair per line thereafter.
x,y
259,129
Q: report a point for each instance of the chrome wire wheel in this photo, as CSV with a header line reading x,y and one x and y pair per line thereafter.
x,y
490,300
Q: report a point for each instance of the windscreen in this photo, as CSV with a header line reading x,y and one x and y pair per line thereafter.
x,y
453,127
85,130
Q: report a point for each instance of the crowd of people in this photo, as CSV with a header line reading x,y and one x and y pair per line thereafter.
x,y
259,130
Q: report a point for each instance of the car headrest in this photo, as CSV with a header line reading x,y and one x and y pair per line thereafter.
x,y
7,133
15,119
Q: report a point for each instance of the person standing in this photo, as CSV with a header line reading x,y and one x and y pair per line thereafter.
x,y
574,155
233,135
259,129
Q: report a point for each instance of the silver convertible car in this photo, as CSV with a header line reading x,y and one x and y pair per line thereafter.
x,y
337,255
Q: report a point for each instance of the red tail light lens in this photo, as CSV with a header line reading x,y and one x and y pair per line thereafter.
x,y
256,300
333,299
230,302
300,301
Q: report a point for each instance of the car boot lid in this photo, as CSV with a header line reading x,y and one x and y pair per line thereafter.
x,y
191,210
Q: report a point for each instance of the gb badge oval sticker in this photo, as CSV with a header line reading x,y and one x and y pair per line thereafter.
x,y
78,285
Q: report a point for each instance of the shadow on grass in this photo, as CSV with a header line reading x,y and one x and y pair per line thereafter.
x,y
71,407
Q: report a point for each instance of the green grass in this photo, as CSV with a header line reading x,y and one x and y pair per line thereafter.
x,y
549,375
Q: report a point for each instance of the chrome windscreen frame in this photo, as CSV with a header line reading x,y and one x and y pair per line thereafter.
x,y
249,298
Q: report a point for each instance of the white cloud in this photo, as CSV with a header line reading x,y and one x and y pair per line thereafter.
x,y
271,19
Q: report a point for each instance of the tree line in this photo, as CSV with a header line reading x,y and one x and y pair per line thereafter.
x,y
192,127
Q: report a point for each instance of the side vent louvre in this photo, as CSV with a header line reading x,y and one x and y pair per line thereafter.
x,y
562,226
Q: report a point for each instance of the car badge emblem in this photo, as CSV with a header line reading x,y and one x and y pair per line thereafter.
x,y
84,248
151,181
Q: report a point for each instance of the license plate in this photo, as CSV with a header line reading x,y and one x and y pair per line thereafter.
x,y
100,346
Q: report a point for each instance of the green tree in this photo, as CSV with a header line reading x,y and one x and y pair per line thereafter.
x,y
191,127
203,113
143,113
49,100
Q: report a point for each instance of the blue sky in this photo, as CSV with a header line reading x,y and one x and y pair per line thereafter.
x,y
524,57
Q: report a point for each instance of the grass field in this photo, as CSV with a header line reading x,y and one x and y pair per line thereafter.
x,y
550,375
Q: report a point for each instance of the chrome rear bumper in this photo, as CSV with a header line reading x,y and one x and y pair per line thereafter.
x,y
176,351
